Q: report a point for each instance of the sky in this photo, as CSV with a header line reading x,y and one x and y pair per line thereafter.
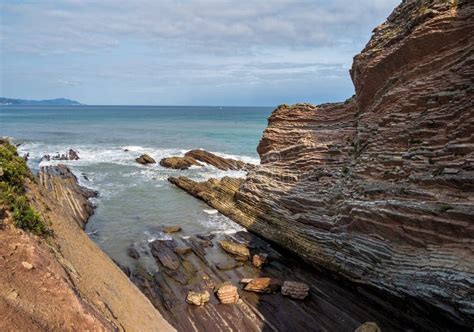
x,y
184,52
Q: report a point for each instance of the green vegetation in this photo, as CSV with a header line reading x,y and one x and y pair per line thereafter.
x,y
13,173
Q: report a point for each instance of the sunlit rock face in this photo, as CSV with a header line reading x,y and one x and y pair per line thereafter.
x,y
380,188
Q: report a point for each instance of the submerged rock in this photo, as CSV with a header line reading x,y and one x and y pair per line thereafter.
x,y
133,252
198,298
229,265
145,159
296,290
171,229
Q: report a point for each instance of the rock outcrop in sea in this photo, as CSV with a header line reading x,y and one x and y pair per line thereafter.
x,y
379,188
197,157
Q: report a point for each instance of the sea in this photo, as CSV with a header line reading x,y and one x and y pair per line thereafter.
x,y
134,200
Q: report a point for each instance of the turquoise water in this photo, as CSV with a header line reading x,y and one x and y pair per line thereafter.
x,y
134,199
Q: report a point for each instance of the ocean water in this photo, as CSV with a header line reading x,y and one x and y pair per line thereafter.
x,y
134,200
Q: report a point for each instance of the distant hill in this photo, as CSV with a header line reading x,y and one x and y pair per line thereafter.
x,y
46,102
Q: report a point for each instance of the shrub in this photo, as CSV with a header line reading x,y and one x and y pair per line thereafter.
x,y
14,172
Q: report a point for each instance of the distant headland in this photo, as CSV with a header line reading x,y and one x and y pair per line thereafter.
x,y
46,102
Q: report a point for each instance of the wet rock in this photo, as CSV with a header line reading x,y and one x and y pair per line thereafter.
x,y
145,159
263,285
368,327
73,155
229,265
198,298
235,248
194,157
171,229
183,250
259,259
163,251
227,294
296,290
133,252
224,164
179,162
206,237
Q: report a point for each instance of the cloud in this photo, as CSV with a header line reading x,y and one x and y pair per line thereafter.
x,y
183,47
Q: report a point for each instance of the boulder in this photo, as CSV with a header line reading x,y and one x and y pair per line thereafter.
x,y
227,294
296,290
179,162
259,259
198,298
368,327
145,159
234,248
263,285
132,252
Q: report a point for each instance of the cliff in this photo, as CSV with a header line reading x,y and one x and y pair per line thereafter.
x,y
378,188
59,280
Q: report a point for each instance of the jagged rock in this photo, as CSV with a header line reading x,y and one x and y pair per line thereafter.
x,y
171,229
359,187
218,162
263,285
145,159
133,252
194,157
259,259
296,290
368,327
227,294
73,155
235,248
183,250
229,265
74,199
163,251
179,162
198,298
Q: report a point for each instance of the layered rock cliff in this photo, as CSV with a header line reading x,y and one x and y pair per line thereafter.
x,y
379,188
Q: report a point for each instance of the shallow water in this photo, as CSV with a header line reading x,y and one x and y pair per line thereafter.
x,y
134,199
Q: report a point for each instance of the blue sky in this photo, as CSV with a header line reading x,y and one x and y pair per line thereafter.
x,y
184,52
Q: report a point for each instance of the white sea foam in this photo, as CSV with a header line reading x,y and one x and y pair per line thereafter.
x,y
210,211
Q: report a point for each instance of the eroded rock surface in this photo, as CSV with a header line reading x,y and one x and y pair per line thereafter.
x,y
197,157
378,188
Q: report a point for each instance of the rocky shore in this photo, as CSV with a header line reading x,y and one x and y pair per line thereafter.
x,y
378,188
64,281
